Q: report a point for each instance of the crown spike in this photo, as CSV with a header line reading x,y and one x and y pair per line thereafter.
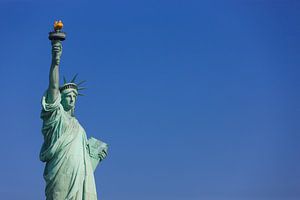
x,y
65,80
81,82
81,88
72,85
73,80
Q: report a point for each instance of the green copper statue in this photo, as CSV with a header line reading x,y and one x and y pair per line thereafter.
x,y
69,156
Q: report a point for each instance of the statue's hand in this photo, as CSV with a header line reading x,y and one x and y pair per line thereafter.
x,y
102,154
56,51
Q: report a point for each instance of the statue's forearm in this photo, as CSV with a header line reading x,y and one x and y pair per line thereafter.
x,y
54,76
53,89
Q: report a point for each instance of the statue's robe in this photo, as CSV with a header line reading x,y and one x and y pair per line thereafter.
x,y
68,172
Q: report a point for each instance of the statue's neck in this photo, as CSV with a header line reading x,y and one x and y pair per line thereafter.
x,y
70,112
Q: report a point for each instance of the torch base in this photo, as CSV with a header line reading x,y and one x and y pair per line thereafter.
x,y
57,36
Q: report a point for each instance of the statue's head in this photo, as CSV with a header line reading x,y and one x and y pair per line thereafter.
x,y
68,99
69,93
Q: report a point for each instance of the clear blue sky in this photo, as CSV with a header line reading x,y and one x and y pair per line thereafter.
x,y
198,100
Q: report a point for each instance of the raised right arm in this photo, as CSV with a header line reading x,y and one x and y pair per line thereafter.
x,y
53,88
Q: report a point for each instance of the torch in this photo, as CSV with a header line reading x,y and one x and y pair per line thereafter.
x,y
57,34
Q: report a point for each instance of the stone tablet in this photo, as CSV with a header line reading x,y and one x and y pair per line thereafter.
x,y
96,148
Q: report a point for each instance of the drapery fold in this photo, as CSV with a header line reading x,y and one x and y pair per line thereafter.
x,y
68,172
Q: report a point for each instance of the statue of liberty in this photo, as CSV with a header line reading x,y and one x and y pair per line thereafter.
x,y
69,156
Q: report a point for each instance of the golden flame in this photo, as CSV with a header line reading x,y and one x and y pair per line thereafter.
x,y
58,25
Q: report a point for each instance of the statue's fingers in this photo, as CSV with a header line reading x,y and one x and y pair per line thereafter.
x,y
104,152
56,43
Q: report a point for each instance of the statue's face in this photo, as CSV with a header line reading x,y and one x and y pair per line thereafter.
x,y
68,100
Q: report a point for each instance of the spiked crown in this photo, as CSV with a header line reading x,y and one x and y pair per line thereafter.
x,y
72,85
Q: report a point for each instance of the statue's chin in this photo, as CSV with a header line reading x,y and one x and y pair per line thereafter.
x,y
67,108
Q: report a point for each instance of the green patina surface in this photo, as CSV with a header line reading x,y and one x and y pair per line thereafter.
x,y
69,156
